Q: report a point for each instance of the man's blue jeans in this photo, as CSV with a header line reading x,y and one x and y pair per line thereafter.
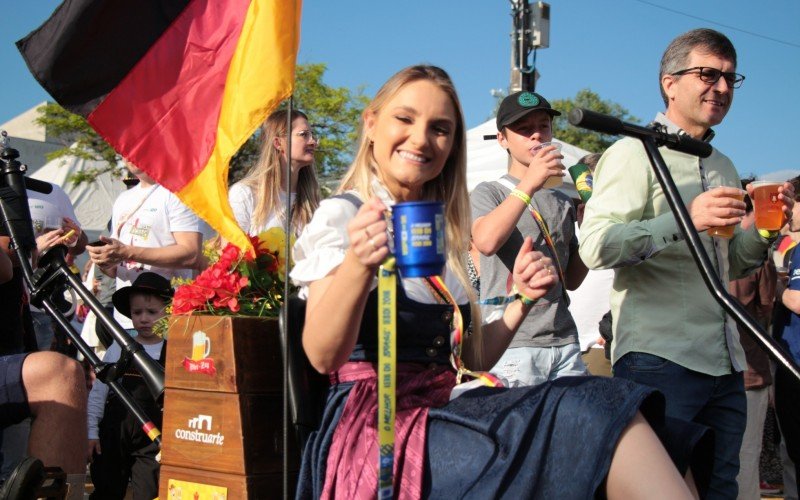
x,y
716,402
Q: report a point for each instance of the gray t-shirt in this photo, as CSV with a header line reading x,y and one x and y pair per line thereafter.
x,y
549,323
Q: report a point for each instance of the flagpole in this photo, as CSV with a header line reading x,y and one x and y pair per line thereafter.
x,y
287,223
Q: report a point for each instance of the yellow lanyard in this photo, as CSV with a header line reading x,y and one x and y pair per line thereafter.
x,y
548,239
387,365
387,375
437,285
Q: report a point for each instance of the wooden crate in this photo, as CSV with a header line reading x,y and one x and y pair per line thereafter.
x,y
224,354
177,483
232,433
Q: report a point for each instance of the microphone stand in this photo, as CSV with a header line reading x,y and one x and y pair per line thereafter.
x,y
54,274
652,138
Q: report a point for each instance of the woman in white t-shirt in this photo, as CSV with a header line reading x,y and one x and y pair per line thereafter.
x,y
259,199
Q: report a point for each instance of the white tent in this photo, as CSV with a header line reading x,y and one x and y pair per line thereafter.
x,y
487,161
92,200
779,175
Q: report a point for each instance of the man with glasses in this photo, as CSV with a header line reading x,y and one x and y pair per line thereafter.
x,y
669,332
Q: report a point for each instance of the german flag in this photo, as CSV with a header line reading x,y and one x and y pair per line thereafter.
x,y
175,86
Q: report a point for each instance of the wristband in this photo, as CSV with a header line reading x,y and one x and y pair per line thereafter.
x,y
768,235
526,301
522,196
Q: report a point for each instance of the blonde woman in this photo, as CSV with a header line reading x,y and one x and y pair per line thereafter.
x,y
574,436
259,200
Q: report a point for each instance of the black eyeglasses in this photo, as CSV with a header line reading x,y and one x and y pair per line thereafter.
x,y
711,75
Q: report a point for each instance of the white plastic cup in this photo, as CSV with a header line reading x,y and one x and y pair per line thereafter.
x,y
553,181
725,231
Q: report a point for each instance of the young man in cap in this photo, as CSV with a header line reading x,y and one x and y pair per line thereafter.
x,y
512,208
669,331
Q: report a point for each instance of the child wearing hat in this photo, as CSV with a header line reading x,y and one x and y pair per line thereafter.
x,y
517,205
118,448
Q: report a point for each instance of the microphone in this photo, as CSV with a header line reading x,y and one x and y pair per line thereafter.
x,y
606,124
689,145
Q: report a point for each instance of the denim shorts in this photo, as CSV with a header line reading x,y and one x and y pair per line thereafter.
x,y
13,401
529,366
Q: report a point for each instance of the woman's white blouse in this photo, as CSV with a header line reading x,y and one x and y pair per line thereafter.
x,y
322,245
243,203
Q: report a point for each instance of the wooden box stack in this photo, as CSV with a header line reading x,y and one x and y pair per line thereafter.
x,y
222,434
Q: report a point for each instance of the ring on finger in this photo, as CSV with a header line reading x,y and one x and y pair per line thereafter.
x,y
366,233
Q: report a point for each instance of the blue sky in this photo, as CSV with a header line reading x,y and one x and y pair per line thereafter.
x,y
612,47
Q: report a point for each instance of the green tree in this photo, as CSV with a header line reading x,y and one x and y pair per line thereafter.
x,y
71,129
333,112
581,137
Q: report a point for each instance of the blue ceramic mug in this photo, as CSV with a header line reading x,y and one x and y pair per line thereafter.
x,y
419,242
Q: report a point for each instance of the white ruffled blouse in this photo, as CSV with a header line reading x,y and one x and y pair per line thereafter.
x,y
321,248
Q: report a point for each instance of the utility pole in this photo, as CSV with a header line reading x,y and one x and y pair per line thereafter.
x,y
530,31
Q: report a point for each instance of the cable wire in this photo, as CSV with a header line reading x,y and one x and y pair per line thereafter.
x,y
752,33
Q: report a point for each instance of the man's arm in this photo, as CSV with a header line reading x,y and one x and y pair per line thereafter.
x,y
182,254
490,232
620,224
791,299
575,272
493,222
613,233
748,249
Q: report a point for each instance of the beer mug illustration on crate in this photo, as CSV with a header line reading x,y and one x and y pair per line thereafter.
x,y
201,346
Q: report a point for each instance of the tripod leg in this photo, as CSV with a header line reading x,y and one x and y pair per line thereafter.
x,y
24,480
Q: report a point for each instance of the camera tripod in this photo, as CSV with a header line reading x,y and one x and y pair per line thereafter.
x,y
53,274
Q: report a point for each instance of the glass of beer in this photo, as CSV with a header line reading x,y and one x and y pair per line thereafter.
x,y
766,205
725,231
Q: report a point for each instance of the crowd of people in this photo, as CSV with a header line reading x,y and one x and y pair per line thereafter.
x,y
681,417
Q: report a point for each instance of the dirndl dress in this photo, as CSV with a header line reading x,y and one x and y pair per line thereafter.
x,y
554,440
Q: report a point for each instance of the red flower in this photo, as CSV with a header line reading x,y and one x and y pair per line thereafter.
x,y
235,282
189,298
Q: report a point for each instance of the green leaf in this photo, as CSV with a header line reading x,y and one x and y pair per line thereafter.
x,y
580,137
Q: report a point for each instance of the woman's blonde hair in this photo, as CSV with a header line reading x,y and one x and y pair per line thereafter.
x,y
265,178
450,186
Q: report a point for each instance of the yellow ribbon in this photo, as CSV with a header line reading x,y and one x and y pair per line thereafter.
x,y
387,374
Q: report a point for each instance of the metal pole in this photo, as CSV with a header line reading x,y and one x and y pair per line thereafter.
x,y
287,225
